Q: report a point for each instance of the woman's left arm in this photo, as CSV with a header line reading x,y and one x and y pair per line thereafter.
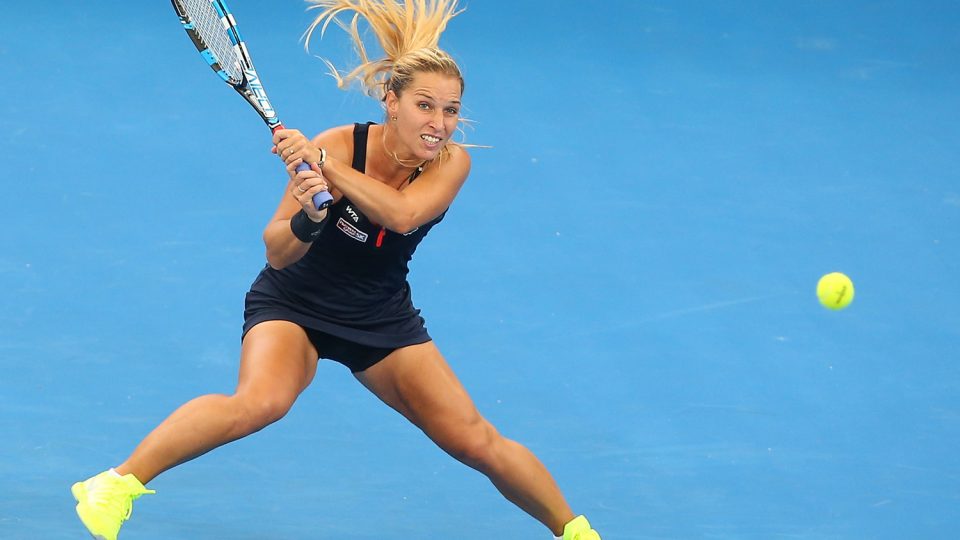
x,y
403,211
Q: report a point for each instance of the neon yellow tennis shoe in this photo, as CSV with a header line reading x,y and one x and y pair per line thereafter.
x,y
579,529
105,501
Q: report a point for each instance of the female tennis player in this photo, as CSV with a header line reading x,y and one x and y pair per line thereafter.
x,y
335,285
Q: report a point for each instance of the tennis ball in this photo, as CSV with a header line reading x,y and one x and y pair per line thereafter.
x,y
835,291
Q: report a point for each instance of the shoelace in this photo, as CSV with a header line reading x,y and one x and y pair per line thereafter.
x,y
121,503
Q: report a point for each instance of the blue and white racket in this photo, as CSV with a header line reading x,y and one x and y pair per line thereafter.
x,y
213,30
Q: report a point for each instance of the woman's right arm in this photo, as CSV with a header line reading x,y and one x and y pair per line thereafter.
x,y
283,247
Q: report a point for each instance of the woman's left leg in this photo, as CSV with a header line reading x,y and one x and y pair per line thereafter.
x,y
418,383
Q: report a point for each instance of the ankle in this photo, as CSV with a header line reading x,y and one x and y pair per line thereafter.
x,y
559,527
124,470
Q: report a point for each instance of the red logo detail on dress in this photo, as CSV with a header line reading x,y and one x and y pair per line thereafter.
x,y
351,231
380,235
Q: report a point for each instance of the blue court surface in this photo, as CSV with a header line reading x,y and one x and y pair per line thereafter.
x,y
625,285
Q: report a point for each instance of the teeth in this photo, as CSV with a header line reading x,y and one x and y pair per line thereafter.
x,y
430,139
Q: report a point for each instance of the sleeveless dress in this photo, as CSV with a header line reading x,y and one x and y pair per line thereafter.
x,y
351,283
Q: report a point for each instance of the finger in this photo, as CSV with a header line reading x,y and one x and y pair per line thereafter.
x,y
310,193
304,188
307,181
314,183
307,173
284,134
293,159
292,166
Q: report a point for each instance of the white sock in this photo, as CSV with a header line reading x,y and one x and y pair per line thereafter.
x,y
115,473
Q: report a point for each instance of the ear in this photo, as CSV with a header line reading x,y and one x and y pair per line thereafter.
x,y
392,103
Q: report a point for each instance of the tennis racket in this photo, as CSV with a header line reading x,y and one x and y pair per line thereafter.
x,y
213,30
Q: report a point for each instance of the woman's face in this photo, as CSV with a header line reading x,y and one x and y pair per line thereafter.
x,y
427,113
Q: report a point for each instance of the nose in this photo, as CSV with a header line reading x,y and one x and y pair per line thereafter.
x,y
436,120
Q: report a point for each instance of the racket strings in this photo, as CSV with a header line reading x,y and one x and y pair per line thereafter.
x,y
213,29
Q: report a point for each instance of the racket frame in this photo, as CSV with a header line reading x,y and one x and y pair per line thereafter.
x,y
249,86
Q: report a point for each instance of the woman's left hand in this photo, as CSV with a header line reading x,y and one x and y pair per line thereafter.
x,y
291,145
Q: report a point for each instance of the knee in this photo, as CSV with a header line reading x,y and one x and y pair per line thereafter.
x,y
476,445
257,412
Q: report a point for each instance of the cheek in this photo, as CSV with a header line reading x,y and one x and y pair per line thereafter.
x,y
414,117
409,122
451,124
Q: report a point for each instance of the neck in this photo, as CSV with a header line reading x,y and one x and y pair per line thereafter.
x,y
388,140
393,168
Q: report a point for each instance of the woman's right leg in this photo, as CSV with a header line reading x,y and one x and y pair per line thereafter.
x,y
277,362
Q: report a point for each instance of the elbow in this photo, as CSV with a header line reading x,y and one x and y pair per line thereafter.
x,y
276,265
276,262
282,252
404,224
275,257
404,229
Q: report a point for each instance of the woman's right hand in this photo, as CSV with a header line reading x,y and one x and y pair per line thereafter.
x,y
304,185
291,145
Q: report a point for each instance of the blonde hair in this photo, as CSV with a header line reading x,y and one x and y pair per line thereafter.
x,y
408,32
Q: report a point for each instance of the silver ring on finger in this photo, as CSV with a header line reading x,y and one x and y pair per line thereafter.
x,y
301,189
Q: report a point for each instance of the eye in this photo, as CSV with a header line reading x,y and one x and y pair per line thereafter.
x,y
453,111
424,106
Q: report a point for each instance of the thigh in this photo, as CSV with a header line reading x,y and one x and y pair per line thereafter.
x,y
418,383
276,360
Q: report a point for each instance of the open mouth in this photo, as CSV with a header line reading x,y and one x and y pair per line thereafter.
x,y
430,139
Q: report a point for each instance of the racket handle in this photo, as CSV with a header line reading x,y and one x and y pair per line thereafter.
x,y
320,200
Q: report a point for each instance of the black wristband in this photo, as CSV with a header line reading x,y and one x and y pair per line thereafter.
x,y
304,228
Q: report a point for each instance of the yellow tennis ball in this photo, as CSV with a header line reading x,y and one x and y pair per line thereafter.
x,y
835,291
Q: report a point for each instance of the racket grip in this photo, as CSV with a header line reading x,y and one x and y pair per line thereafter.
x,y
320,200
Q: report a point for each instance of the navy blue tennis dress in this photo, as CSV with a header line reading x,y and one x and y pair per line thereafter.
x,y
350,290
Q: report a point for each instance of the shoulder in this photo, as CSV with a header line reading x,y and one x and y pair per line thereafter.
x,y
339,136
454,161
337,141
459,153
